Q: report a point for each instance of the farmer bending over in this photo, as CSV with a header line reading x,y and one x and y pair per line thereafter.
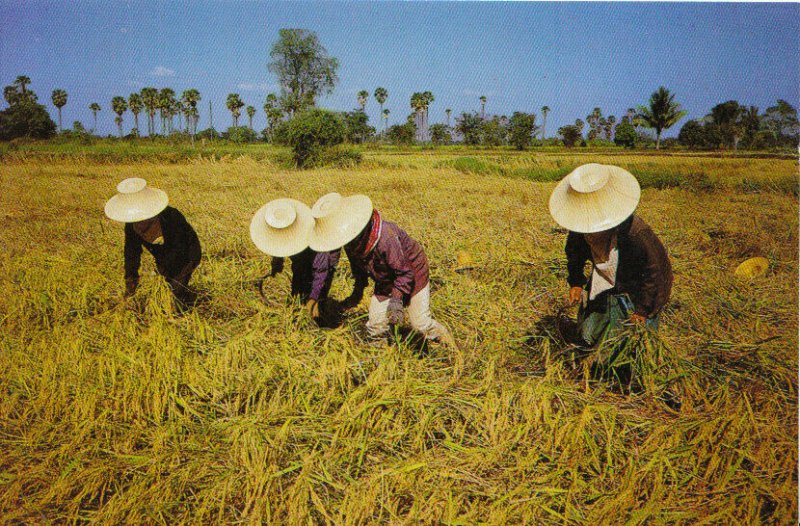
x,y
162,230
281,228
631,274
381,250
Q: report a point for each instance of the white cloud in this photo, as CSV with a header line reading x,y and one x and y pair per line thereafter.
x,y
161,71
123,30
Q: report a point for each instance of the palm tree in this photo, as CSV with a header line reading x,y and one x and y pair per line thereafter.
x,y
609,127
545,111
427,99
363,97
150,101
593,120
120,106
59,98
250,112
447,113
483,106
579,124
135,105
234,104
273,112
166,106
190,98
22,81
386,113
381,95
417,104
662,113
95,107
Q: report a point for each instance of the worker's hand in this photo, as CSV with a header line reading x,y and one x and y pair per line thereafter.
x,y
312,307
638,318
575,294
276,267
352,300
394,312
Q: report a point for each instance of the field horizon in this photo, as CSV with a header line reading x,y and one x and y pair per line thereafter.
x,y
244,411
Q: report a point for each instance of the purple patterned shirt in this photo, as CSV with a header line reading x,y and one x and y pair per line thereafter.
x,y
397,264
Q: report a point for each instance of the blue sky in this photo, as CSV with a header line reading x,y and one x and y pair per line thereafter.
x,y
569,56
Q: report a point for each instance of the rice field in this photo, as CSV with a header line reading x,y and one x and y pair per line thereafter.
x,y
243,411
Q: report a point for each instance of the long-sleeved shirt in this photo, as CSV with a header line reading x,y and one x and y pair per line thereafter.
x,y
181,247
397,264
312,272
643,270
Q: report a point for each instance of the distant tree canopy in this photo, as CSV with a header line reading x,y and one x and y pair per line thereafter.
x,y
662,113
522,127
440,134
402,134
469,126
570,135
309,132
625,134
731,125
24,117
303,68
356,128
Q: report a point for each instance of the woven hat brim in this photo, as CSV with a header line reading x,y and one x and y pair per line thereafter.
x,y
342,224
282,242
130,208
752,268
596,211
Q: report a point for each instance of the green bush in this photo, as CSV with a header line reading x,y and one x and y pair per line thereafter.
x,y
339,156
311,132
240,134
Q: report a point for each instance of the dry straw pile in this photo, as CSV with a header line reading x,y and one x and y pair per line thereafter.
x,y
243,411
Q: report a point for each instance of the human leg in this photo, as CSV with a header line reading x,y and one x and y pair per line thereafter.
x,y
378,323
419,314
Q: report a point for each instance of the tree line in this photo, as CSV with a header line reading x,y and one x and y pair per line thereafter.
x,y
305,71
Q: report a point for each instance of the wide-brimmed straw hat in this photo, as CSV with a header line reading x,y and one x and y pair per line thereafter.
x,y
338,220
281,227
594,197
135,201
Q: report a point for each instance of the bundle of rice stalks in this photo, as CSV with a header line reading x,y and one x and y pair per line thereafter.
x,y
636,360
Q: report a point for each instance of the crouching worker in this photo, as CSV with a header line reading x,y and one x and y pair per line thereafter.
x,y
382,251
631,276
281,229
162,230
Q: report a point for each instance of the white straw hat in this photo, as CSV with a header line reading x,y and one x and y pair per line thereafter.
x,y
594,197
281,227
338,220
135,201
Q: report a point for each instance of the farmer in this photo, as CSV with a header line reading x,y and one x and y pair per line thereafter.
x,y
382,251
631,274
162,230
281,229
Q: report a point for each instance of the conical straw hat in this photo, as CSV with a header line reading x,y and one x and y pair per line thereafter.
x,y
281,227
338,220
594,197
752,268
135,201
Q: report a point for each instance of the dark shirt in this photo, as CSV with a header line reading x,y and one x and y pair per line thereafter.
x,y
312,272
643,272
180,249
397,264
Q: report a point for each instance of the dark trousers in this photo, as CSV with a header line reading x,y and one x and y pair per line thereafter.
x,y
177,277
